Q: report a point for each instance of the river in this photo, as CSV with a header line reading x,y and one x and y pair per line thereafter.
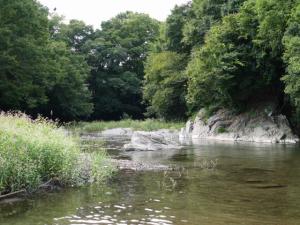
x,y
212,183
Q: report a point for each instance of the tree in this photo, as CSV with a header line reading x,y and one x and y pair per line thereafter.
x,y
23,64
218,72
203,15
116,55
69,97
183,31
272,16
174,29
75,34
39,75
165,85
291,57
132,32
239,63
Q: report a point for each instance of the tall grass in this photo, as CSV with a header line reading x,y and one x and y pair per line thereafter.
x,y
35,151
141,125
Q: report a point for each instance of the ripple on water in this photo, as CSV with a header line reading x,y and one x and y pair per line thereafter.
x,y
100,216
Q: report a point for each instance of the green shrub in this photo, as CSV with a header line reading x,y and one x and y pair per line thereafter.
x,y
35,151
101,168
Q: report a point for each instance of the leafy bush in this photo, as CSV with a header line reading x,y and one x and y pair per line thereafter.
x,y
35,151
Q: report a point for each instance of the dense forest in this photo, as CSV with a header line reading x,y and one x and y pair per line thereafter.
x,y
208,53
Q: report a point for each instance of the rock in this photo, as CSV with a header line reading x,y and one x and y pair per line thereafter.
x,y
115,133
155,140
255,126
118,132
139,166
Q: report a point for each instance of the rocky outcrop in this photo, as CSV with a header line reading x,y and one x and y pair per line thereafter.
x,y
259,125
155,140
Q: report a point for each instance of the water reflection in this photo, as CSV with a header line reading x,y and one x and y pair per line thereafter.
x,y
250,184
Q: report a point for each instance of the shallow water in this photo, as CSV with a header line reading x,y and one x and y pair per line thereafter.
x,y
212,183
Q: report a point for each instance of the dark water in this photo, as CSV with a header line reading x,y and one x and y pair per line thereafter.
x,y
213,183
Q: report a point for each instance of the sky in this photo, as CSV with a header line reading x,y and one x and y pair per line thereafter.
x,y
93,12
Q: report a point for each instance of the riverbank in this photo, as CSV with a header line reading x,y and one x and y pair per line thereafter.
x,y
136,125
260,124
37,152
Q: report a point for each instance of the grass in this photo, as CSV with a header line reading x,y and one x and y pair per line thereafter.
x,y
140,125
222,130
35,151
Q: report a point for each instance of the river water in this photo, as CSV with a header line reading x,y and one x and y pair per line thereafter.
x,y
212,183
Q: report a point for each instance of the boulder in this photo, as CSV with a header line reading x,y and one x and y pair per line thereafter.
x,y
155,140
117,132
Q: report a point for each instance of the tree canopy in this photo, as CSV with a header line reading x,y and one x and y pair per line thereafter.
x,y
208,53
241,59
165,82
116,55
39,74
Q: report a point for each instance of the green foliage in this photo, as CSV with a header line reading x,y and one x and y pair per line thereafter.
x,y
291,57
208,53
203,15
35,151
75,34
116,94
69,97
39,74
219,68
23,40
174,29
101,168
130,33
160,43
116,55
239,62
140,125
222,130
165,85
184,30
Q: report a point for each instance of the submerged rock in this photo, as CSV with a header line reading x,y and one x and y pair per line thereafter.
x,y
155,140
139,166
256,126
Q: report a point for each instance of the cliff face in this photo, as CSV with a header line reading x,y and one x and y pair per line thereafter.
x,y
259,125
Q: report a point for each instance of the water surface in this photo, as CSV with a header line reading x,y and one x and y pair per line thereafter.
x,y
212,183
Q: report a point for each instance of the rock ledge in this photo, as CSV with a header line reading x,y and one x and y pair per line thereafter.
x,y
259,125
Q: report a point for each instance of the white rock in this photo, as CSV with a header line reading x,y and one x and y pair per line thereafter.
x,y
151,141
117,132
257,126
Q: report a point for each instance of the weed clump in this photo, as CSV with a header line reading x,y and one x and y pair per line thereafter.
x,y
35,151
